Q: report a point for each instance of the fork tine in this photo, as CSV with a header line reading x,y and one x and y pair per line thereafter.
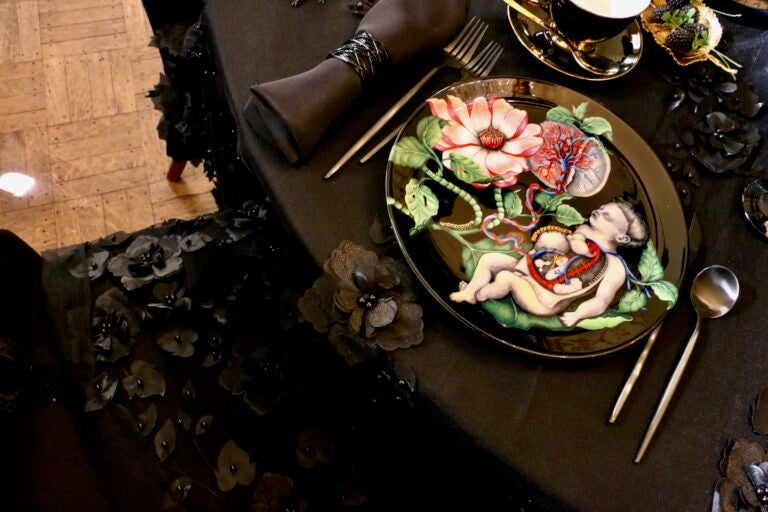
x,y
492,62
477,64
484,67
465,51
456,40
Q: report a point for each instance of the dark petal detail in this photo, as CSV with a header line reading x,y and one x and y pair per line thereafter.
x,y
203,424
179,341
347,257
380,231
406,332
382,315
691,173
212,359
188,391
726,87
684,127
92,267
696,95
345,299
114,239
147,421
314,447
230,379
165,440
726,496
732,146
234,467
177,492
351,347
316,305
99,392
349,495
139,269
275,492
167,267
194,241
363,279
760,413
183,420
745,101
676,99
741,454
714,162
405,375
684,191
144,381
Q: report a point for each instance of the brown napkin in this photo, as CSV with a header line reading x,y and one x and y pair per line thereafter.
x,y
294,113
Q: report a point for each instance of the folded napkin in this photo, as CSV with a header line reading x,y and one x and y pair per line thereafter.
x,y
294,113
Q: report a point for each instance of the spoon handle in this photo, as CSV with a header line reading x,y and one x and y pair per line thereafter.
x,y
669,391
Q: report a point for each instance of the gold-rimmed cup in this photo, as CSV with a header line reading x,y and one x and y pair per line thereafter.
x,y
584,22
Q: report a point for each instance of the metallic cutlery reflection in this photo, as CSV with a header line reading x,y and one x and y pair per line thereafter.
x,y
629,384
482,70
694,242
459,54
713,293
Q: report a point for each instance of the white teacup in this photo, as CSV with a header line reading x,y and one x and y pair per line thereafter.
x,y
588,21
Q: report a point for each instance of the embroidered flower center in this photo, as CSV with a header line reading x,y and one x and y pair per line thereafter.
x,y
367,301
491,138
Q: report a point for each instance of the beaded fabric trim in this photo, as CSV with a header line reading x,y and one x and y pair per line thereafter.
x,y
366,56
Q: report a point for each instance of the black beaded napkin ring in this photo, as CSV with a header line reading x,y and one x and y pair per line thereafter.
x,y
366,55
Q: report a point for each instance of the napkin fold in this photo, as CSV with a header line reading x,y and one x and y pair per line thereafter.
x,y
294,113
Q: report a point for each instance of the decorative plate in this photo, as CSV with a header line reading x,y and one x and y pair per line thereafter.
x,y
537,217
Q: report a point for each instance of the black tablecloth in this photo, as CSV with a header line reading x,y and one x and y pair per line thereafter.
x,y
546,419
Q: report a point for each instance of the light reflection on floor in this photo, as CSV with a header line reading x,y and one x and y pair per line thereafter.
x,y
16,183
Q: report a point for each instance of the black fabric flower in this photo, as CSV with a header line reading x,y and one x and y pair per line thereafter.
x,y
364,303
744,486
93,266
168,299
276,493
115,325
146,259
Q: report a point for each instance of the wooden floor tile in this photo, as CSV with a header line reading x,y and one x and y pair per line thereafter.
x,y
74,115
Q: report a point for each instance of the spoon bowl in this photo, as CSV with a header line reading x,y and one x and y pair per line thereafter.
x,y
713,294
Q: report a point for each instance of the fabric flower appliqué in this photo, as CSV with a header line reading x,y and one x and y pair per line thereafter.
x,y
491,132
145,259
364,303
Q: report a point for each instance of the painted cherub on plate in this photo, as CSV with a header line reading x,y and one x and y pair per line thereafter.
x,y
559,274
561,267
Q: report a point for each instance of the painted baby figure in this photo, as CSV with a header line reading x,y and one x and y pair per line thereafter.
x,y
593,271
552,256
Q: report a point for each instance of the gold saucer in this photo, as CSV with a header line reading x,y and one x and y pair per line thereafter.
x,y
625,49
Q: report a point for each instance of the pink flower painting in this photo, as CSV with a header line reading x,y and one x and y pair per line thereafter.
x,y
491,132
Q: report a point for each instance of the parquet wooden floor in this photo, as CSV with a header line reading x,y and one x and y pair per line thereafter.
x,y
74,114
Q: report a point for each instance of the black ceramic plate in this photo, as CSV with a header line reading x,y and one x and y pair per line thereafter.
x,y
636,175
